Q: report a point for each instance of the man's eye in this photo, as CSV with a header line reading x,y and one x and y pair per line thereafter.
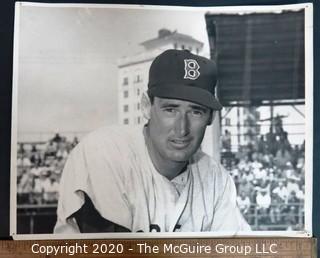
x,y
197,113
169,110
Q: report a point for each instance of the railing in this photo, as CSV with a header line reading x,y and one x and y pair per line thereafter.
x,y
276,217
36,219
40,218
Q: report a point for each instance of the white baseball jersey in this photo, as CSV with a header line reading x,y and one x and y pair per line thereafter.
x,y
112,166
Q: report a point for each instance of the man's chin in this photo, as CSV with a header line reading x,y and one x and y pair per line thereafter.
x,y
180,156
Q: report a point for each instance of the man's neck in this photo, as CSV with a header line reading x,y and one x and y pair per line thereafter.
x,y
168,169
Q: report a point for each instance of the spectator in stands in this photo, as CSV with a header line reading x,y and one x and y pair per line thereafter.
x,y
234,172
300,193
247,174
35,156
292,185
260,174
51,149
271,175
263,201
57,138
255,164
284,140
41,185
282,191
25,187
226,141
293,208
282,156
244,163
51,191
288,170
267,159
21,150
295,153
246,187
25,162
271,141
293,200
261,144
276,209
264,183
62,151
300,164
35,170
244,203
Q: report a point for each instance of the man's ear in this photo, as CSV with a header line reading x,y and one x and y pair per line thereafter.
x,y
145,106
212,116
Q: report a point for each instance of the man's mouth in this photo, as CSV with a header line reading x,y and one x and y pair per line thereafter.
x,y
180,143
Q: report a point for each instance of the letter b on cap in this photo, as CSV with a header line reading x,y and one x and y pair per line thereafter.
x,y
191,68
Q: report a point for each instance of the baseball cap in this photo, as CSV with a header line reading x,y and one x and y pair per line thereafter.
x,y
179,74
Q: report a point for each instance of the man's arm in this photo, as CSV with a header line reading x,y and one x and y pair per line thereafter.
x,y
227,214
91,194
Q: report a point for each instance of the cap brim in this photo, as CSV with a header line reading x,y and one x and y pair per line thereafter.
x,y
189,93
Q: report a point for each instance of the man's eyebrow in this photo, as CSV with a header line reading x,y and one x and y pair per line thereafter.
x,y
201,108
169,105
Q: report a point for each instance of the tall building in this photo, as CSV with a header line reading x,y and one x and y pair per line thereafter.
x,y
133,71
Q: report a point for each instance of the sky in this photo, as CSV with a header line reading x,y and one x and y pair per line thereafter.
x,y
67,59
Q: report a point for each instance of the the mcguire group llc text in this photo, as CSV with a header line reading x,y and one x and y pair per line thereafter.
x,y
169,248
146,248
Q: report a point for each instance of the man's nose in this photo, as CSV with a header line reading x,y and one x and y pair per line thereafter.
x,y
182,125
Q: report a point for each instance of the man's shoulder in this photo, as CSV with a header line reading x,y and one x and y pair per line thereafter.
x,y
209,166
116,134
114,131
111,142
201,157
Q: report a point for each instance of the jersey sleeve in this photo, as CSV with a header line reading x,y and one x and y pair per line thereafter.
x,y
91,170
71,198
227,216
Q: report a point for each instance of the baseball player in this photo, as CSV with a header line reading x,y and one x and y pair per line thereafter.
x,y
154,178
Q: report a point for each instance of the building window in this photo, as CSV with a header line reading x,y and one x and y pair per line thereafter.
x,y
138,106
126,94
137,79
197,50
138,92
175,45
125,81
228,121
139,120
126,121
126,108
190,49
182,47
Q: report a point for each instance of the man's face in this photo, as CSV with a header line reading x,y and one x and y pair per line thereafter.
x,y
176,128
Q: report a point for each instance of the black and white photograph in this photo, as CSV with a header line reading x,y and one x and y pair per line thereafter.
x,y
159,121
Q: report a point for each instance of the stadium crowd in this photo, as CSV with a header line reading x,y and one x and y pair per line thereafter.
x,y
39,168
269,176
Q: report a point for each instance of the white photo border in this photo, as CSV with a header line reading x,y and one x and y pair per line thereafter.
x,y
308,7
